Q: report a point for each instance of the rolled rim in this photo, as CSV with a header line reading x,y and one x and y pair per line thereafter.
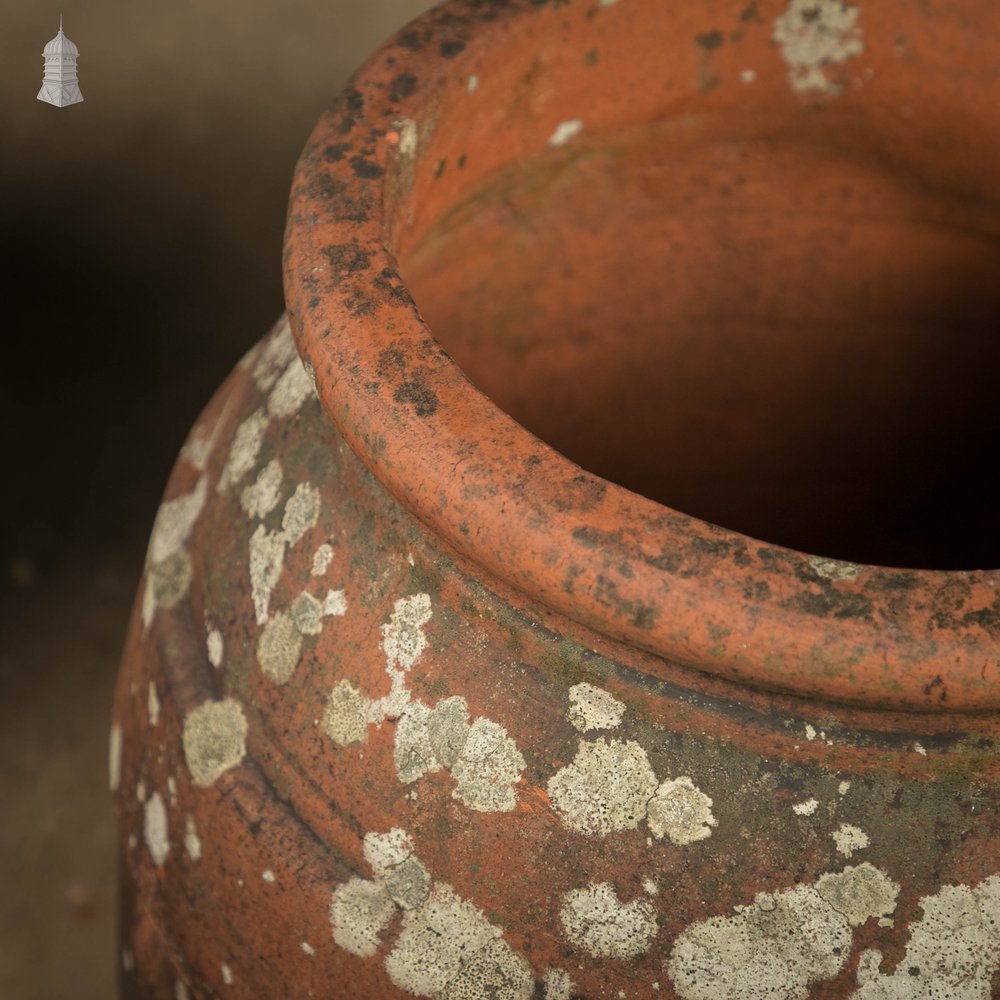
x,y
684,589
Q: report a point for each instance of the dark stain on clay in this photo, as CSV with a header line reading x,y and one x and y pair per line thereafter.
x,y
347,258
409,40
402,87
336,152
450,49
365,168
710,40
418,393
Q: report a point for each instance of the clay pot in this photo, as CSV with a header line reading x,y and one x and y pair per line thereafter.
x,y
431,690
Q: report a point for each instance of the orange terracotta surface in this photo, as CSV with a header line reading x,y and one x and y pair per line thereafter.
x,y
432,689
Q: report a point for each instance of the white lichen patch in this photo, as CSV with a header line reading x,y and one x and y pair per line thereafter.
x,y
334,604
565,131
359,911
812,36
279,648
446,948
174,522
301,512
806,808
115,757
408,884
859,892
408,137
849,839
267,557
556,985
449,950
307,613
214,739
227,974
781,944
484,761
345,720
594,919
215,647
243,450
166,583
153,705
834,569
605,789
953,952
594,708
154,828
262,495
488,767
307,948
386,851
192,842
681,812
403,639
322,558
413,754
843,788
292,389
268,876
274,355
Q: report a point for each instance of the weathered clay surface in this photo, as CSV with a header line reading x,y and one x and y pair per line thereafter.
x,y
414,706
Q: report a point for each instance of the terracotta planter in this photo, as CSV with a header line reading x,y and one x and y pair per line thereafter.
x,y
413,704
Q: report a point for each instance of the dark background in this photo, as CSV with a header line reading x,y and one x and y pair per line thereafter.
x,y
142,234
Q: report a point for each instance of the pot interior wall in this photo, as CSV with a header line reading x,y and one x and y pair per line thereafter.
x,y
776,321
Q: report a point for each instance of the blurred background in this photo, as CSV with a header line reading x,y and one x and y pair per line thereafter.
x,y
143,232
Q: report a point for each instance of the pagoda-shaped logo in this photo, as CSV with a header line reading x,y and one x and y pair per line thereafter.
x,y
59,85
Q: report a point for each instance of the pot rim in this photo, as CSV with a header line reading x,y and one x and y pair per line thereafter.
x,y
633,569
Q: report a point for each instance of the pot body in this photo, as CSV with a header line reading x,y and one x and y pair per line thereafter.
x,y
411,704
348,763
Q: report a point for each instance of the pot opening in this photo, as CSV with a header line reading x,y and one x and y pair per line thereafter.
x,y
784,331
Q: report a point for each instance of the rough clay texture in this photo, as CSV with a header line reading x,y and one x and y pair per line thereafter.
x,y
214,739
782,943
594,919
